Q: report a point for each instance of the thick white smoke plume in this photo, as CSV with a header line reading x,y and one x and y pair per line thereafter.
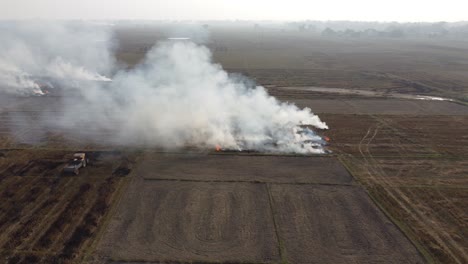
x,y
177,97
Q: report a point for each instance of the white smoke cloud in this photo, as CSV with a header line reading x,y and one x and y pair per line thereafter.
x,y
61,69
31,51
13,80
177,97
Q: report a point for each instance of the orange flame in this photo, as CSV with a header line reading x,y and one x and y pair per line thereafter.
x,y
327,139
218,148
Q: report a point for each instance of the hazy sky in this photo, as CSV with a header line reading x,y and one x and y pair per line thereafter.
x,y
362,10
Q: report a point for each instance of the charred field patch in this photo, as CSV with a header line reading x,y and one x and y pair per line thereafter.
x,y
48,217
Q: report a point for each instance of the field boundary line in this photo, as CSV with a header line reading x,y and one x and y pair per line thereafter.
x,y
404,229
281,247
136,261
400,225
114,201
251,182
207,152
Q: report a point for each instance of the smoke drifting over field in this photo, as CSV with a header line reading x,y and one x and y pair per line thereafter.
x,y
176,97
36,51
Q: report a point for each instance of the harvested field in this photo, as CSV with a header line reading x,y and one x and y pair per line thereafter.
x,y
245,168
408,155
432,216
415,168
446,135
336,224
201,208
406,107
444,229
297,58
396,136
397,152
377,106
47,217
179,222
398,157
426,197
427,172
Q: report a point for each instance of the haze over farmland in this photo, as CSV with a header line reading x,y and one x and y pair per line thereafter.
x,y
247,132
358,10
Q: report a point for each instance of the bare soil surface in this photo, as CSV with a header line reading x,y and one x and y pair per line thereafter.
x,y
179,222
245,168
366,103
398,136
415,168
295,58
204,208
336,224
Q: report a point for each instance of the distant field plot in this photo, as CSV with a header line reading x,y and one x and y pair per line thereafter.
x,y
332,75
364,135
336,224
323,105
180,222
406,107
250,168
442,220
438,172
425,195
447,135
298,58
420,179
388,106
344,101
27,122
396,135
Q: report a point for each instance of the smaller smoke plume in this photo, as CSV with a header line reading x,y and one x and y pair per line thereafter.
x,y
32,52
15,81
61,69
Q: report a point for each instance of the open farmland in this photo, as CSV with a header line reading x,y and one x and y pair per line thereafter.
x,y
46,216
294,58
336,224
378,106
32,122
254,168
170,221
396,157
394,189
203,208
414,167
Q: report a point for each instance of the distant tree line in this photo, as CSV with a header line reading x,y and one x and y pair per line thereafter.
x,y
349,29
